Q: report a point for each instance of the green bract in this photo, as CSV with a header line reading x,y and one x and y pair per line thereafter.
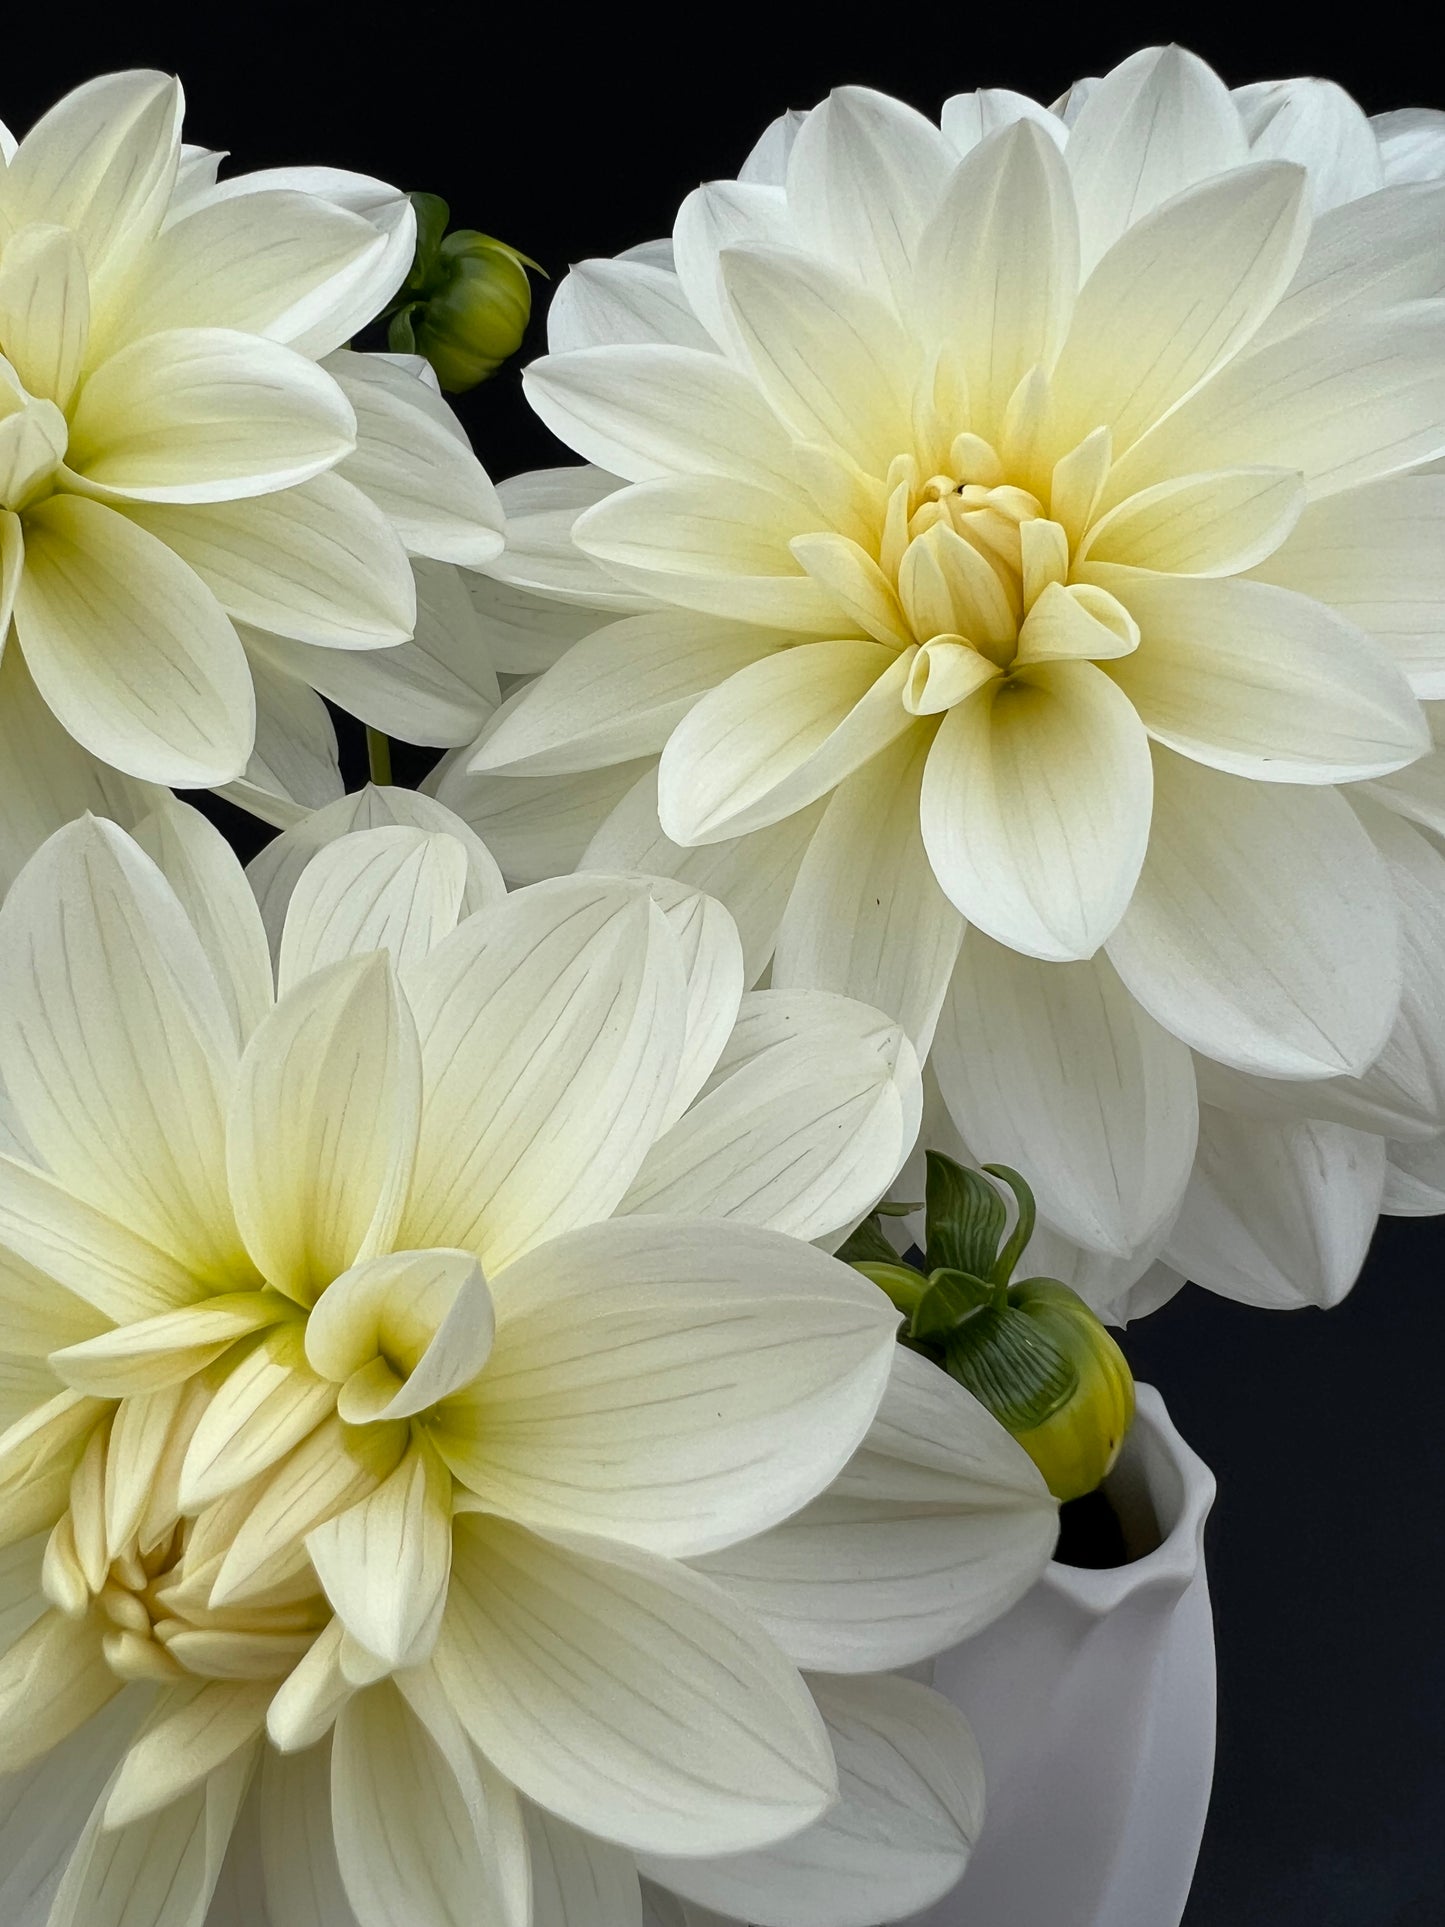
x,y
466,303
1032,1352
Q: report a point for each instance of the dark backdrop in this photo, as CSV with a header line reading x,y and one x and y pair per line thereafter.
x,y
1324,1428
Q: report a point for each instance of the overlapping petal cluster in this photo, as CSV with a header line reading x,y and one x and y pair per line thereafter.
x,y
432,1444
210,508
1008,572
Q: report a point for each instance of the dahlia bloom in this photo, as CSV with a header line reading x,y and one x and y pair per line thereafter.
x,y
1007,572
210,508
410,1497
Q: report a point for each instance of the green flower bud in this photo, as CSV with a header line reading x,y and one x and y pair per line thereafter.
x,y
1032,1352
466,303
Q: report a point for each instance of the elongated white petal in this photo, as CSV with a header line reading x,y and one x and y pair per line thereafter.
x,y
267,1403
298,1850
113,1027
998,266
323,1126
1374,556
804,1138
206,415
1364,256
910,1811
1035,808
1054,1069
552,1030
294,766
966,119
51,1681
94,1256
936,1527
1316,124
102,163
195,1728
712,544
1278,1214
706,1404
722,215
153,1353
43,1810
157,684
751,875
862,176
1202,524
163,1868
577,1879
712,960
777,736
602,303
384,1563
654,1713
1261,681
202,869
45,310
1157,124
317,562
273,875
619,693
1185,287
402,1332
393,888
542,508
641,412
866,916
1263,931
410,460
411,1852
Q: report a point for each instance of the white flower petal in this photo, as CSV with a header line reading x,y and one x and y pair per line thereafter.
x,y
1315,123
45,310
524,632
298,1851
411,462
654,1712
1412,143
1375,556
43,1810
102,1262
1202,524
601,303
618,693
938,1525
1155,125
537,827
1363,258
804,1138
1415,1179
552,1029
910,1812
1035,808
1278,1214
712,962
1263,930
295,765
1055,1070
1262,682
722,1384
200,866
577,1879
394,888
384,1563
130,649
206,415
866,916
541,508
751,875
113,1026
778,735
967,119
715,216
317,562
194,1728
323,1126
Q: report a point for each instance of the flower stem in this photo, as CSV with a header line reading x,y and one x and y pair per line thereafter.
x,y
378,755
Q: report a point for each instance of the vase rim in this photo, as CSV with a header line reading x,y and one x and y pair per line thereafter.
x,y
1179,1488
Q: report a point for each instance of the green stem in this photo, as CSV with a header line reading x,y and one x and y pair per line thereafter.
x,y
378,755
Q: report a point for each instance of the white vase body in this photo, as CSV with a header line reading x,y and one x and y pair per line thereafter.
x,y
1094,1704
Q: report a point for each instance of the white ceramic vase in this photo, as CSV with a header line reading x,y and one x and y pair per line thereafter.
x,y
1093,1702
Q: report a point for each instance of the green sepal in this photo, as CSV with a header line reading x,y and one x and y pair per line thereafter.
x,y
951,1299
903,1284
867,1245
432,215
1012,1367
1023,1230
400,334
966,1218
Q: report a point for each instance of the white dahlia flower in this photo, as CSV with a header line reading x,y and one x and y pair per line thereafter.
x,y
431,1445
210,508
1009,574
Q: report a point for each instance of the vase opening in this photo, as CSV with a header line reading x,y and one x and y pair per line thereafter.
x,y
1132,1513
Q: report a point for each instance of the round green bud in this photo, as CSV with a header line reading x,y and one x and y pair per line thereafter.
x,y
1075,1444
466,303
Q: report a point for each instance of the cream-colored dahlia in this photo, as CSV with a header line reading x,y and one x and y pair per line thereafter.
x,y
431,1444
210,508
1008,572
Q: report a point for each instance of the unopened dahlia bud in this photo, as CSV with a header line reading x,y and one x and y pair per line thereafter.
x,y
466,303
1032,1352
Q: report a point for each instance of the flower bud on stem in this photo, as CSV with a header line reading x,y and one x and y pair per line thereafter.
x,y
1032,1352
466,303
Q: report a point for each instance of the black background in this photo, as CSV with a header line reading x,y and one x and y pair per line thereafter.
x,y
1324,1428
